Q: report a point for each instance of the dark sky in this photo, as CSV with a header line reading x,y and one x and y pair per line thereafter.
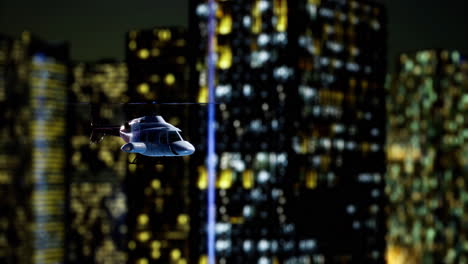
x,y
96,28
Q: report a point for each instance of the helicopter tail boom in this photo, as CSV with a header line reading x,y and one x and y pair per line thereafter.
x,y
98,132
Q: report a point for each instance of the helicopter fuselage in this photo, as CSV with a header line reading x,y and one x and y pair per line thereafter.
x,y
152,136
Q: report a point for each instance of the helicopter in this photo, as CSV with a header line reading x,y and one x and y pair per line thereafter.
x,y
148,135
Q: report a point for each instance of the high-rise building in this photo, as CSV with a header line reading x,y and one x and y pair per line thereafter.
x,y
157,64
14,183
300,131
5,47
427,146
48,83
97,224
253,75
158,188
33,144
339,130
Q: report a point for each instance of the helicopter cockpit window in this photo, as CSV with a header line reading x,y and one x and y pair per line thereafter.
x,y
163,137
173,136
180,135
152,136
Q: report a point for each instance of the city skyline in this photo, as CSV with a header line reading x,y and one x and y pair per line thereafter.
x,y
322,154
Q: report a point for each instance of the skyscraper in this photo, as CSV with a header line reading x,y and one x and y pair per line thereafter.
x,y
5,46
157,64
97,225
48,97
253,74
14,183
339,130
35,88
158,188
427,109
300,131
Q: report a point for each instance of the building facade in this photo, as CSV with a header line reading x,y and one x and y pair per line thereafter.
x,y
97,223
48,83
427,146
158,188
300,131
14,151
339,135
34,96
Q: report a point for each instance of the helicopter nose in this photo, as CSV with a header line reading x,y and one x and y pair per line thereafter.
x,y
183,148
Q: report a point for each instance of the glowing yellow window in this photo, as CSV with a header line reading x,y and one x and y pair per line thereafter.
x,y
169,79
225,25
248,179
143,88
225,179
225,57
143,54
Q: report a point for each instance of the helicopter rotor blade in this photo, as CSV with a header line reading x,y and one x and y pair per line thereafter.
x,y
145,103
167,103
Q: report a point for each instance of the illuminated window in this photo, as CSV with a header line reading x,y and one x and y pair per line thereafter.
x,y
132,45
169,79
225,25
225,57
164,35
202,10
223,90
259,58
143,88
143,54
247,245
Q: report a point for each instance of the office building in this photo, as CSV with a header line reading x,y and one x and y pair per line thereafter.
x,y
427,108
34,94
157,60
253,73
48,83
339,134
158,188
14,184
300,131
97,223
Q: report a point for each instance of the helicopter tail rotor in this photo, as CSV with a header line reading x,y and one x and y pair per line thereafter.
x,y
95,137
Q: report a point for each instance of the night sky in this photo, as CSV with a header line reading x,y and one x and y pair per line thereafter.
x,y
96,29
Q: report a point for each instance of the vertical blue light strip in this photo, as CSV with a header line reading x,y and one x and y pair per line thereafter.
x,y
211,154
